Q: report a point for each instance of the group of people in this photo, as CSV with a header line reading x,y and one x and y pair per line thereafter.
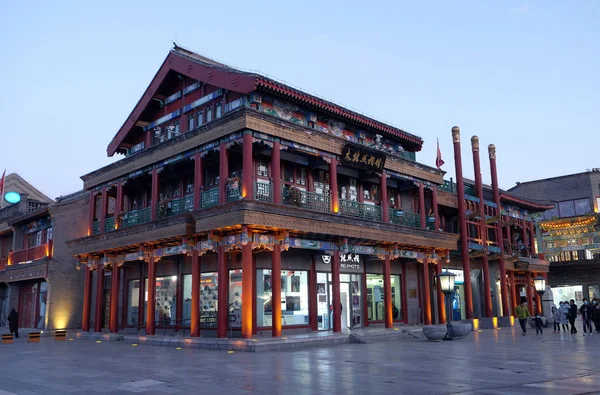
x,y
566,314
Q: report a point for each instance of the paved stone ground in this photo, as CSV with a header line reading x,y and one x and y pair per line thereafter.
x,y
489,362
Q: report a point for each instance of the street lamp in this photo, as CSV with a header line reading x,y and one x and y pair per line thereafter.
x,y
540,287
447,284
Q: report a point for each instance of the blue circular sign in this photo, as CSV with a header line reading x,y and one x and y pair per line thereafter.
x,y
12,197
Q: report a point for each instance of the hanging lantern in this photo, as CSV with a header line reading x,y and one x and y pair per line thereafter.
x,y
244,238
345,248
141,254
396,252
286,241
78,264
184,247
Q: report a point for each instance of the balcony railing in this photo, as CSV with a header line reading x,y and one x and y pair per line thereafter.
x,y
263,192
96,227
448,186
400,217
3,263
136,217
233,194
308,200
30,254
181,205
110,224
210,197
350,208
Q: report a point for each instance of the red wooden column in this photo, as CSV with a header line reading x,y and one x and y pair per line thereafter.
x,y
528,292
119,202
462,223
387,292
426,294
422,213
276,288
99,299
502,267
532,237
103,210
154,196
523,226
223,172
335,286
223,295
312,298
87,296
197,180
513,290
436,214
114,299
247,285
440,295
487,290
92,213
151,307
195,325
248,169
384,198
333,189
276,172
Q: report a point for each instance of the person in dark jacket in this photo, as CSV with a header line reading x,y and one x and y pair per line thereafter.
x,y
596,314
586,316
573,316
13,323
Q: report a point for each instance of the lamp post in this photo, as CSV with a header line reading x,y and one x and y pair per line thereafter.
x,y
447,284
540,287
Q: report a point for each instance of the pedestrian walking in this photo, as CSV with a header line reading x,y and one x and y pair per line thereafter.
x,y
586,316
564,315
522,314
556,318
13,323
596,314
572,316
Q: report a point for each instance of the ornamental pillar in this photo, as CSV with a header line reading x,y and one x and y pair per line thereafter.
x,y
197,180
99,299
276,288
276,172
333,188
422,213
87,296
119,202
195,324
223,293
426,294
154,195
247,291
223,172
532,237
248,167
387,292
528,292
502,267
513,292
434,203
384,197
440,295
335,286
114,299
151,307
462,223
487,291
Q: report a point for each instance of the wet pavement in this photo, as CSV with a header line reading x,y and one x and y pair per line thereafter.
x,y
487,362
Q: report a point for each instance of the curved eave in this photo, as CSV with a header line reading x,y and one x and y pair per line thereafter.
x,y
339,111
526,203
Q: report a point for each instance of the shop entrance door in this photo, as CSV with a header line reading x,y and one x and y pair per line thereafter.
x,y
27,303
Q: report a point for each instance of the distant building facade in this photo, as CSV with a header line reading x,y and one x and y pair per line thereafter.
x,y
569,233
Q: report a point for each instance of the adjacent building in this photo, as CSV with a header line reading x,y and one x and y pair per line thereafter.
x,y
569,232
36,274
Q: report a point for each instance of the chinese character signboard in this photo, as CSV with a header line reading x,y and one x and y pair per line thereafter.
x,y
362,158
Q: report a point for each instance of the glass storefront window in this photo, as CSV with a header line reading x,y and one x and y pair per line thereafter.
x,y
209,299
133,301
375,297
565,294
293,299
43,300
165,300
235,297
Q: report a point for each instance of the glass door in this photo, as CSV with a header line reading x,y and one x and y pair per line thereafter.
x,y
323,303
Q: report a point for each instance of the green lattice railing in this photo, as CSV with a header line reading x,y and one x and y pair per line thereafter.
x,y
210,197
263,192
448,186
350,208
181,205
96,227
233,194
405,218
136,217
109,225
308,200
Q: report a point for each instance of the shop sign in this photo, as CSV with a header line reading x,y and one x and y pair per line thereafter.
x,y
349,263
519,265
459,276
362,158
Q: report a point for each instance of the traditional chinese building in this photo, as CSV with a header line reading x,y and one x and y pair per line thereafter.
x,y
235,187
497,244
36,275
569,232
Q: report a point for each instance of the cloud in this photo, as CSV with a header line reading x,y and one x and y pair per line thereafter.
x,y
524,8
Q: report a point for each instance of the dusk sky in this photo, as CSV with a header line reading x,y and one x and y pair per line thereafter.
x,y
521,75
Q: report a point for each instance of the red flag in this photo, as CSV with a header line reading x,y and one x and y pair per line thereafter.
x,y
438,160
2,185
